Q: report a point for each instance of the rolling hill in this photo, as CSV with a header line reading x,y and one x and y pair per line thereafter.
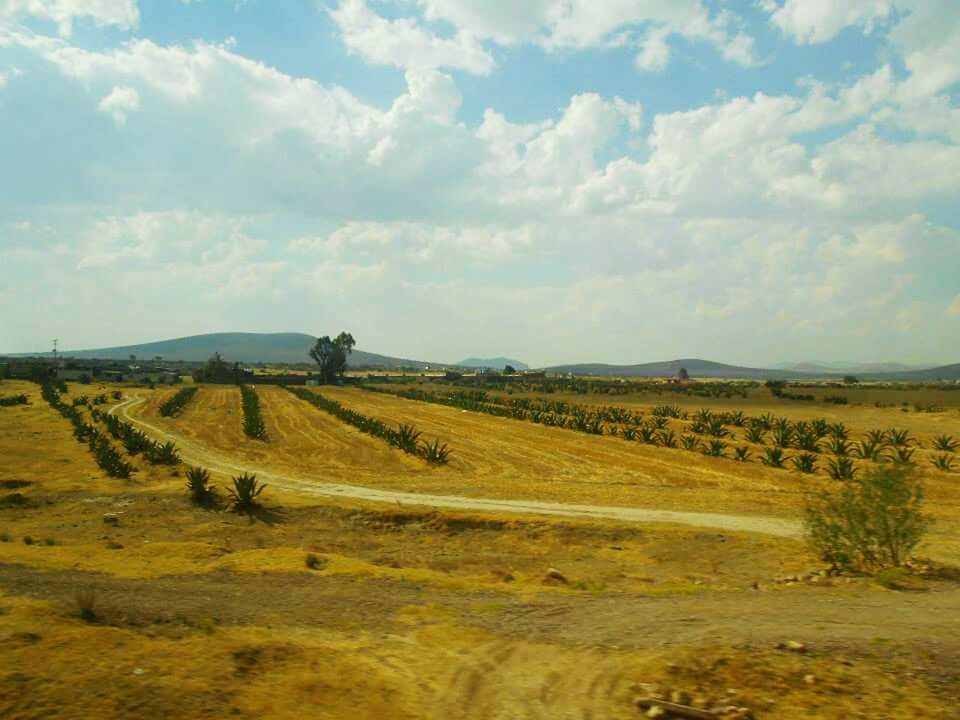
x,y
497,363
237,347
696,368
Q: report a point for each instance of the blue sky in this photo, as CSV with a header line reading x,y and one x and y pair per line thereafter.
x,y
556,181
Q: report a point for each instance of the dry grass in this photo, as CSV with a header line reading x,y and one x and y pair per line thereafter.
x,y
416,613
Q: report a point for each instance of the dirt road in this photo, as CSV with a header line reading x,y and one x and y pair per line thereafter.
x,y
218,463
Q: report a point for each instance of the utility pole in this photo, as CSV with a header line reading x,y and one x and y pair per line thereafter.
x,y
54,348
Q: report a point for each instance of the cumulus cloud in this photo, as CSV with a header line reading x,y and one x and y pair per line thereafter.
x,y
403,43
120,13
120,101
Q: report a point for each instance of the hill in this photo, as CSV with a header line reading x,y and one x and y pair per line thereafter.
x,y
834,368
237,347
696,368
497,363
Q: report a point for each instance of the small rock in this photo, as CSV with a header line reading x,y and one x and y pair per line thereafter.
x,y
792,646
680,697
554,575
111,518
656,711
138,671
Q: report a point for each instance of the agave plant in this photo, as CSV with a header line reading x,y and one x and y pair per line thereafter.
x,y
773,457
629,433
903,455
245,492
742,454
765,421
756,433
406,437
689,442
660,422
715,448
435,453
667,438
165,454
201,490
805,462
945,443
899,438
782,435
841,468
647,434
870,449
943,462
715,427
806,439
820,427
838,446
839,431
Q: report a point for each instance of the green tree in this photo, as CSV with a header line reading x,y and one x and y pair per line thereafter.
x,y
850,380
871,523
683,375
509,370
331,355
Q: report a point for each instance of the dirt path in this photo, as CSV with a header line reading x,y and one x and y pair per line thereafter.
x,y
217,462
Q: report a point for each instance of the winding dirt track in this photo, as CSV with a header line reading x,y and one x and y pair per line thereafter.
x,y
217,462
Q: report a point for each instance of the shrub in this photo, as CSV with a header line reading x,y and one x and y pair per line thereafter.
x,y
174,405
165,454
86,602
838,446
667,438
715,448
869,524
742,454
11,400
903,455
756,433
689,442
835,399
202,492
244,493
406,437
314,562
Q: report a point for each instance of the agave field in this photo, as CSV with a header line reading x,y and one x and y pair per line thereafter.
x,y
178,401
404,437
806,446
253,424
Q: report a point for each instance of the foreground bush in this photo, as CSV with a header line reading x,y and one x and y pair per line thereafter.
x,y
870,523
244,493
10,400
201,490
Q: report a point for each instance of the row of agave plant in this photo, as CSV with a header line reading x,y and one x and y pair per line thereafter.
x,y
404,437
253,424
175,404
136,442
100,399
11,400
105,454
811,438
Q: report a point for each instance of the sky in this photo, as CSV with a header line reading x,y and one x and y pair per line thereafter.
x,y
751,181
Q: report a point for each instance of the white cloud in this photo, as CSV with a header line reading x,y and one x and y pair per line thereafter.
x,y
816,21
577,24
120,13
403,43
120,101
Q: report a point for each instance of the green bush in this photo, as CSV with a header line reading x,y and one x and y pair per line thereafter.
x,y
245,493
869,524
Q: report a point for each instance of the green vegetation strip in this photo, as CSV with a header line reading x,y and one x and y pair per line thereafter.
x,y
106,455
10,400
252,420
174,405
404,437
706,431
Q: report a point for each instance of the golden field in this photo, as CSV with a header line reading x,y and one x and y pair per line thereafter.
x,y
419,609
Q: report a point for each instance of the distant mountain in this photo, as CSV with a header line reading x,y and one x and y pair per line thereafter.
x,y
497,363
944,372
696,368
237,347
833,368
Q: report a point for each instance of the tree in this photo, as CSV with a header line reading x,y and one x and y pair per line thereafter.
x,y
509,370
683,375
331,355
850,380
871,523
218,370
